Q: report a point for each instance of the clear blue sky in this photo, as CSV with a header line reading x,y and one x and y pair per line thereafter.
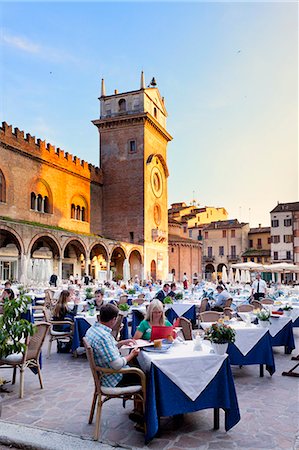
x,y
228,71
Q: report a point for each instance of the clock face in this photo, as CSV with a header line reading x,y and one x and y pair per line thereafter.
x,y
156,182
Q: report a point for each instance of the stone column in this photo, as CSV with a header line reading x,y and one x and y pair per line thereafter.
x,y
59,274
23,269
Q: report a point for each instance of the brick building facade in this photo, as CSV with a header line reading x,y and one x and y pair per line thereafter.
x,y
60,214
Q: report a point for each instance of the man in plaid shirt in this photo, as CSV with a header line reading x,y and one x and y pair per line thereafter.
x,y
106,348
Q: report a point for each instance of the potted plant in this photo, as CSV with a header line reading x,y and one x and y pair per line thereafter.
x,y
168,300
263,316
131,291
13,329
124,308
89,293
179,296
220,336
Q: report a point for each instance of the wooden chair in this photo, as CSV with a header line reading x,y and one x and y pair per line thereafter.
x,y
256,304
38,313
30,358
245,308
203,305
228,312
210,316
267,301
57,335
228,303
186,328
139,300
141,296
103,393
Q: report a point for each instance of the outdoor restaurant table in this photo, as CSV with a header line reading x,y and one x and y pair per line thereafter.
x,y
181,309
281,331
84,322
252,346
183,380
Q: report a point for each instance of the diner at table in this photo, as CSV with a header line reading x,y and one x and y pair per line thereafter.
x,y
155,316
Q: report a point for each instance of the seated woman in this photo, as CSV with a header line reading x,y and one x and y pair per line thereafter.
x,y
63,312
7,294
154,316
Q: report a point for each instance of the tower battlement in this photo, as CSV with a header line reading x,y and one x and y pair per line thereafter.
x,y
47,152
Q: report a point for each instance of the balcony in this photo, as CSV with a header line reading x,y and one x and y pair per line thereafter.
x,y
207,259
233,258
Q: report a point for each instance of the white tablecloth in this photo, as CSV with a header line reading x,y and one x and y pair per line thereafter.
x,y
90,319
247,336
190,370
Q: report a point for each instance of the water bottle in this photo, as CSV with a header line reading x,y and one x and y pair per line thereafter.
x,y
197,343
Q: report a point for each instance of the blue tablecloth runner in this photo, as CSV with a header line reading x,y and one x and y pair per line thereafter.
x,y
284,337
296,323
165,398
81,326
190,314
261,353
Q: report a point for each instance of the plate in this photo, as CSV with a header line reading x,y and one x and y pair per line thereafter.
x,y
163,349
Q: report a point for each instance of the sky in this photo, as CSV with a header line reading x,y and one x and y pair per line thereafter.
x,y
228,72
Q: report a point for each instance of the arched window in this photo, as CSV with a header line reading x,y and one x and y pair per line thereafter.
x,y
2,188
73,211
32,200
122,105
83,215
78,212
39,203
46,204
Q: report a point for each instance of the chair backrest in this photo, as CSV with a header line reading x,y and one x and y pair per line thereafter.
x,y
228,303
92,364
48,314
267,301
36,341
186,328
210,316
123,299
228,312
256,304
203,305
245,308
116,328
141,296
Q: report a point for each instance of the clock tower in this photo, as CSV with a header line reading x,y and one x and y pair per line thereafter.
x,y
133,157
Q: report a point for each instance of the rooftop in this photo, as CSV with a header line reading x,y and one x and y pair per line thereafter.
x,y
281,207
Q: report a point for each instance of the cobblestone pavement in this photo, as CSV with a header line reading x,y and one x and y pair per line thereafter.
x,y
269,409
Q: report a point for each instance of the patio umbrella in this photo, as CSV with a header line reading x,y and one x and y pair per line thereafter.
x,y
237,276
224,275
126,271
243,276
231,275
248,279
249,265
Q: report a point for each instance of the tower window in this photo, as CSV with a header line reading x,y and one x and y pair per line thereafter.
x,y
122,105
155,112
132,146
2,188
131,236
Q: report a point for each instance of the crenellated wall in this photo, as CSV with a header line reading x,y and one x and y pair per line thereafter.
x,y
32,166
37,148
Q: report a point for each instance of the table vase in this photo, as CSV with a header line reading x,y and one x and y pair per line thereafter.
x,y
219,349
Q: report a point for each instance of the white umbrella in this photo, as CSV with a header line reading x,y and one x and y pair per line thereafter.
x,y
224,275
248,279
237,276
231,275
126,271
249,265
243,276
282,267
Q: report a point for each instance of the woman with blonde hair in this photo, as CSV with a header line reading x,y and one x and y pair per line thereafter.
x,y
155,316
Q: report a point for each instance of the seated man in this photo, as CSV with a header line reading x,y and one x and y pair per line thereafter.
x,y
106,351
221,298
163,292
97,301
